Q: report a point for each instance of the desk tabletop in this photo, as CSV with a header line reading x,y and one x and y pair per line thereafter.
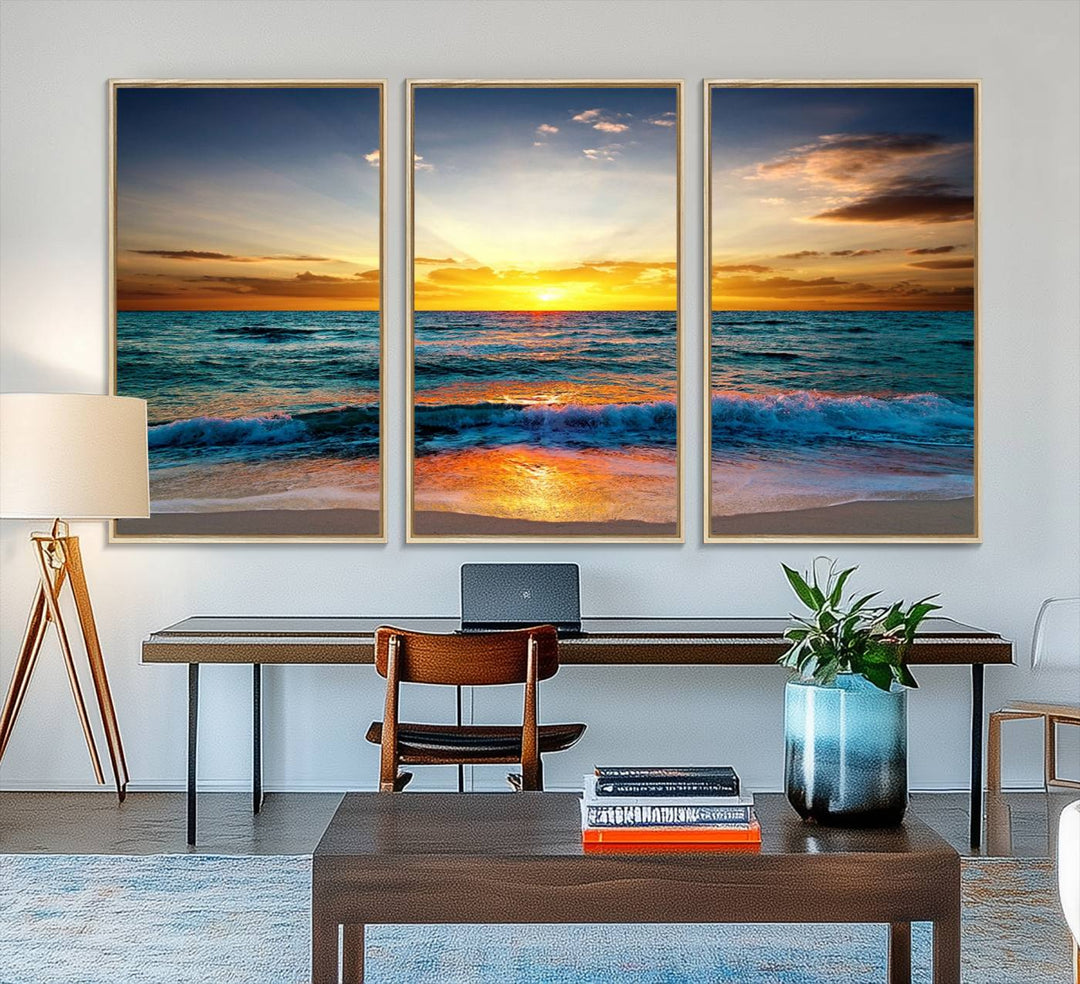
x,y
614,640
392,827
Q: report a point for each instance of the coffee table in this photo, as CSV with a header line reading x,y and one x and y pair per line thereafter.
x,y
517,858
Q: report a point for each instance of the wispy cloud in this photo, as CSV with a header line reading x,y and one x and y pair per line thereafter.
x,y
434,260
602,120
858,252
741,268
546,129
801,254
419,164
929,250
853,160
373,158
664,119
607,153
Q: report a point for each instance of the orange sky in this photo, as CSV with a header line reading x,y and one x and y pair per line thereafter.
x,y
442,285
842,198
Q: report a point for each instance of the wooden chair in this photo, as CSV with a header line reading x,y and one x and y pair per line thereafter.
x,y
485,659
1055,644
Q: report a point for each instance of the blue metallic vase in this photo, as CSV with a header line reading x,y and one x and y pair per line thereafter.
x,y
846,752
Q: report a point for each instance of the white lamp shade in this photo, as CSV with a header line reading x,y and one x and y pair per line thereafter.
x,y
73,456
1055,643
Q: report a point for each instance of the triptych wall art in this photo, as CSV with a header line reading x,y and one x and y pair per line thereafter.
x,y
544,330
248,292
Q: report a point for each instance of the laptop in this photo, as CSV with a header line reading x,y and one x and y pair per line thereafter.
x,y
516,596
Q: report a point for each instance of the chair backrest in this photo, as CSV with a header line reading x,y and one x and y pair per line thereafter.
x,y
1055,643
470,659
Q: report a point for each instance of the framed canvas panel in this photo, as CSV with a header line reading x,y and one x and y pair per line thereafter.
x,y
247,244
841,336
544,315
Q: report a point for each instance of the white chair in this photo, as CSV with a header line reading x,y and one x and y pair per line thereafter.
x,y
1069,875
1055,646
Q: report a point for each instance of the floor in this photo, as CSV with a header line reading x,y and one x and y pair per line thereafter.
x,y
1021,824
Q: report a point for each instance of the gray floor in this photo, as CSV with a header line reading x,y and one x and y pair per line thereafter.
x,y
1021,824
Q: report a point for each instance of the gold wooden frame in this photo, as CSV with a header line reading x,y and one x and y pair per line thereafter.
x,y
411,86
708,85
379,84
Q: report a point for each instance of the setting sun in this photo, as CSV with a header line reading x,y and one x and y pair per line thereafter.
x,y
548,295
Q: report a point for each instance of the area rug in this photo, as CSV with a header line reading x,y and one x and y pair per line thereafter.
x,y
245,920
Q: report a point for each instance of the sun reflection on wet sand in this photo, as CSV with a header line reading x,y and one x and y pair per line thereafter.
x,y
552,485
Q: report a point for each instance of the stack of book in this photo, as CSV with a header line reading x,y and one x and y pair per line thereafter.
x,y
693,805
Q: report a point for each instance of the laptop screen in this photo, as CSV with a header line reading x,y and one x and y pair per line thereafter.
x,y
517,595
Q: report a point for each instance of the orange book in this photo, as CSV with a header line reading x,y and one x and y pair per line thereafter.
x,y
749,834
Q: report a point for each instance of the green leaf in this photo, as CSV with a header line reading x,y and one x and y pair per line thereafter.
x,y
800,587
903,676
838,588
862,601
880,676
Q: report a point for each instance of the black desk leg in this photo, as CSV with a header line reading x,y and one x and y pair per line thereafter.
x,y
976,753
461,767
256,738
192,747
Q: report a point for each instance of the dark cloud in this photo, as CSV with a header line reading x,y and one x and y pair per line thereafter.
x,y
205,254
930,250
960,263
916,201
799,255
858,252
306,284
191,254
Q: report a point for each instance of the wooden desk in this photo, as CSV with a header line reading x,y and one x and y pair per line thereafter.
x,y
605,641
517,858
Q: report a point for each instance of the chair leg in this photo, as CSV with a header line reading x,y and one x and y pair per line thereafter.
x,y
993,752
1049,753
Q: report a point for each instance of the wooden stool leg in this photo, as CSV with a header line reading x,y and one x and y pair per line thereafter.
x,y
352,954
899,953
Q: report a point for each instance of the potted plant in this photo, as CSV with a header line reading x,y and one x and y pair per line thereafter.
x,y
845,713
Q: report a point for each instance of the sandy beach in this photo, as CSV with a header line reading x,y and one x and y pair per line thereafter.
x,y
900,518
452,524
262,522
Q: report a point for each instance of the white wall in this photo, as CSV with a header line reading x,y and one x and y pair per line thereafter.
x,y
56,57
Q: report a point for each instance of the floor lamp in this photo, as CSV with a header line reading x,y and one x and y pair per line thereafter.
x,y
78,457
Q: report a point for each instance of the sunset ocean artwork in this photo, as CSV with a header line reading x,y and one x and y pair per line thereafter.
x,y
248,231
545,326
842,330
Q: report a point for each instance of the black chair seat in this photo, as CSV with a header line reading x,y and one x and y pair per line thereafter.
x,y
474,742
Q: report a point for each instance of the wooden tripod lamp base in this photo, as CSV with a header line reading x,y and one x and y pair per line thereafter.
x,y
59,561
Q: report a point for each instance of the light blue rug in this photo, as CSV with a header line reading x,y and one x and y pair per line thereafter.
x,y
245,920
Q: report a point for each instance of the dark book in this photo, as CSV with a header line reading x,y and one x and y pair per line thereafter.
x,y
718,780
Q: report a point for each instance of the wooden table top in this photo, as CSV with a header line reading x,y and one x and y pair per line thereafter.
x,y
410,826
615,640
